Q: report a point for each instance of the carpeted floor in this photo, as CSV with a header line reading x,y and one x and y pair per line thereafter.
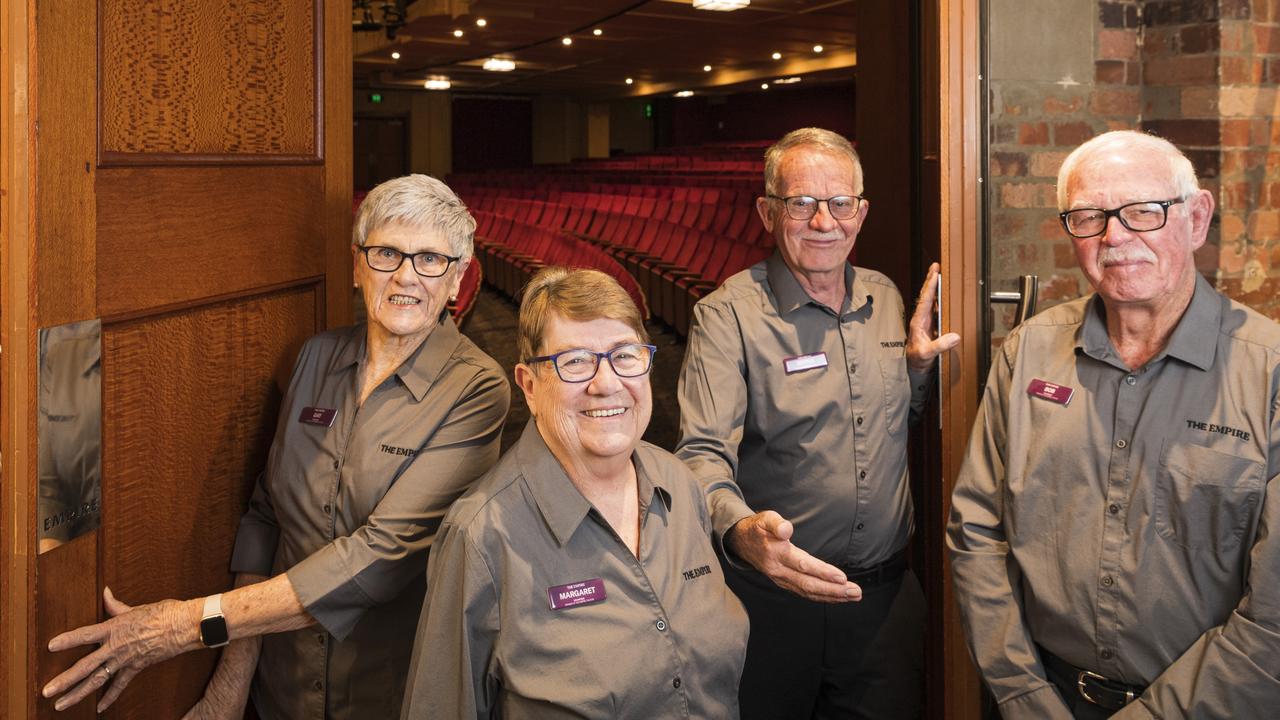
x,y
492,326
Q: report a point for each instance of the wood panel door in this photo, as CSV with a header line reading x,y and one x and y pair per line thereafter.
x,y
181,170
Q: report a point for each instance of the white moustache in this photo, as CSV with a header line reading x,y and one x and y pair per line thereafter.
x,y
1126,254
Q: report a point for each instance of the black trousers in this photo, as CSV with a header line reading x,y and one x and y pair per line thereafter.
x,y
809,660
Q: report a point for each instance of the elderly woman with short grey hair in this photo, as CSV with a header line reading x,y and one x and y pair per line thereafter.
x,y
384,424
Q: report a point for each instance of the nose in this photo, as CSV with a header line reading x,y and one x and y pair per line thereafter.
x,y
405,274
822,220
1115,233
606,382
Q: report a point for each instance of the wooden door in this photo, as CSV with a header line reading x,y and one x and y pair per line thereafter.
x,y
181,170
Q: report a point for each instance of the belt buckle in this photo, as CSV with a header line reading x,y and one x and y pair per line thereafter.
x,y
1082,686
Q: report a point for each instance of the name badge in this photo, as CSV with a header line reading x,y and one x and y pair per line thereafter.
x,y
1049,391
318,416
800,363
584,592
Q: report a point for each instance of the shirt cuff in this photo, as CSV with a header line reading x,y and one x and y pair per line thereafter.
x,y
727,508
328,592
255,548
1043,703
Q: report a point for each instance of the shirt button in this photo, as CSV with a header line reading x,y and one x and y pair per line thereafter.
x,y
860,526
853,368
327,508
317,685
320,639
1105,654
335,464
1131,379
1122,443
661,625
1113,508
859,421
676,683
1107,581
862,474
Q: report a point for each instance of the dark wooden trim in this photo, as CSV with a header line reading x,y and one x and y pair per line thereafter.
x,y
109,158
111,321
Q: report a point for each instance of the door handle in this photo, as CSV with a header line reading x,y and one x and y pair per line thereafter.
x,y
1024,298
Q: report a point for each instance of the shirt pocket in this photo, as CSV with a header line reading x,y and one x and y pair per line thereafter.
x,y
1205,499
897,392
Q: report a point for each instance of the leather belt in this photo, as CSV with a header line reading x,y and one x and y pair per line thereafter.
x,y
880,574
1094,688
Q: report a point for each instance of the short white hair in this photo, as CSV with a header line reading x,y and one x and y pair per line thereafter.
x,y
812,137
417,201
1127,142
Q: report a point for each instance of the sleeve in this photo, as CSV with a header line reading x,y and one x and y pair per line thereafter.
x,y
338,582
986,576
1233,670
449,671
921,382
713,408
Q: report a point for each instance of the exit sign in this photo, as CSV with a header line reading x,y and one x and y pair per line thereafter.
x,y
375,98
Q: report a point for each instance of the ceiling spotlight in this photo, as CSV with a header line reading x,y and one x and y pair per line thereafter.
x,y
777,56
481,22
457,33
566,41
499,65
685,93
721,5
630,81
437,82
817,48
788,80
764,86
395,56
706,68
597,32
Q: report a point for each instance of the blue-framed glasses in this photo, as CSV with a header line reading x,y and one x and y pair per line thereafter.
x,y
580,365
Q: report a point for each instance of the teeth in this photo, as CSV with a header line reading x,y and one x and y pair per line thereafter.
x,y
404,300
605,413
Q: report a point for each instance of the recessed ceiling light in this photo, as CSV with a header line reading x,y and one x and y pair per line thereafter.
x,y
481,22
499,65
777,56
457,33
787,80
817,48
685,93
630,81
721,5
764,86
395,56
437,82
566,41
597,32
706,68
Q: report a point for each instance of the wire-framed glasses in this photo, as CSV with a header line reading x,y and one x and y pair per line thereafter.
x,y
1142,216
389,259
580,365
804,207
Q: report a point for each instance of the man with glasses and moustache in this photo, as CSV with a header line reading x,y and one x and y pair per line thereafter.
x,y
1114,529
795,395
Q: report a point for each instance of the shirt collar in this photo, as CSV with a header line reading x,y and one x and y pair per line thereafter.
x,y
790,295
1201,320
561,504
418,370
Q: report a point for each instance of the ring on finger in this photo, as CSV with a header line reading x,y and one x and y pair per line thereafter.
x,y
106,669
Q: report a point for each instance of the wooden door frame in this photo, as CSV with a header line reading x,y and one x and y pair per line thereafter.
x,y
960,209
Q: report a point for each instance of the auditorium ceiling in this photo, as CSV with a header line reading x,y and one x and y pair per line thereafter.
x,y
664,46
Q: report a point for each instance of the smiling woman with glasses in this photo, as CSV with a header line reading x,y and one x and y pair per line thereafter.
x,y
578,578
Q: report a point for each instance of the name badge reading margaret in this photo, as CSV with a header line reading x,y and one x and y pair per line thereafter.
x,y
584,592
318,416
1049,391
800,363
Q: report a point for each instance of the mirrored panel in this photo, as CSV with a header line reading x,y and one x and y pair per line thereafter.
x,y
69,432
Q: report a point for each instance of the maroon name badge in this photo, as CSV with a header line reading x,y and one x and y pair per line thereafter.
x,y
585,592
318,416
1048,391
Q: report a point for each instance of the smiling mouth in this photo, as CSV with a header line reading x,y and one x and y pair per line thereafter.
x,y
403,300
604,413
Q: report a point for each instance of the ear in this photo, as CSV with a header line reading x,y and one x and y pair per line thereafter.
x,y
762,209
355,265
1200,209
526,378
456,285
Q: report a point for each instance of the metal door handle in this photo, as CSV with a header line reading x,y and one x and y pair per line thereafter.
x,y
1025,298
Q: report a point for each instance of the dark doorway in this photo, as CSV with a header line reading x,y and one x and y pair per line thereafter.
x,y
381,149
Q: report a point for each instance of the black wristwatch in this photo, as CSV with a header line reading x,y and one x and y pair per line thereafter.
x,y
213,626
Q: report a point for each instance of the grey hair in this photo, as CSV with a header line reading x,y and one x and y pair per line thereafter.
x,y
1128,142
417,201
819,138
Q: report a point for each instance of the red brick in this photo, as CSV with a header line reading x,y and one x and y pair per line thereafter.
x,y
1046,164
1272,72
1005,224
1235,133
1272,194
1232,227
1062,106
1158,42
1060,288
1184,70
1118,44
1110,71
1264,225
1195,133
1235,70
1071,134
1266,39
1008,164
1033,133
1028,195
1231,36
1194,39
1051,228
1199,101
1125,101
1234,195
1236,162
1064,254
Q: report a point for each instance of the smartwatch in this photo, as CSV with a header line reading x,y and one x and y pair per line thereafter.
x,y
213,626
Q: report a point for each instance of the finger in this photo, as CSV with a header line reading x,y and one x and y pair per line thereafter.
x,y
809,566
117,687
76,673
95,679
820,590
774,524
80,636
947,342
114,606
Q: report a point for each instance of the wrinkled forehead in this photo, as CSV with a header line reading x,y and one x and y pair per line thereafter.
x,y
1112,178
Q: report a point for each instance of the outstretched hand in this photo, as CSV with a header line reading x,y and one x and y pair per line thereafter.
x,y
764,541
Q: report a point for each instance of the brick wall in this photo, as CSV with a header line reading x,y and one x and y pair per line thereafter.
x,y
1202,73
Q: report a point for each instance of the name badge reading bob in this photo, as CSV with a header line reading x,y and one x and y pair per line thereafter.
x,y
584,592
800,363
1051,392
318,416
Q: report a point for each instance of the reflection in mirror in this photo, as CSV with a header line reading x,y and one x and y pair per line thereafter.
x,y
69,432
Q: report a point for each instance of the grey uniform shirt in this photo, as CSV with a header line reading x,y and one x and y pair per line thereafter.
x,y
349,510
1134,531
665,638
788,406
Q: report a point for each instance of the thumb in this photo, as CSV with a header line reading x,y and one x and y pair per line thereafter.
x,y
114,606
781,528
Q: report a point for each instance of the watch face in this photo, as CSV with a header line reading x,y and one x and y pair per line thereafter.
x,y
213,631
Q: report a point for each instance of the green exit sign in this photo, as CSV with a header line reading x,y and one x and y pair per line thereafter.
x,y
648,110
375,98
